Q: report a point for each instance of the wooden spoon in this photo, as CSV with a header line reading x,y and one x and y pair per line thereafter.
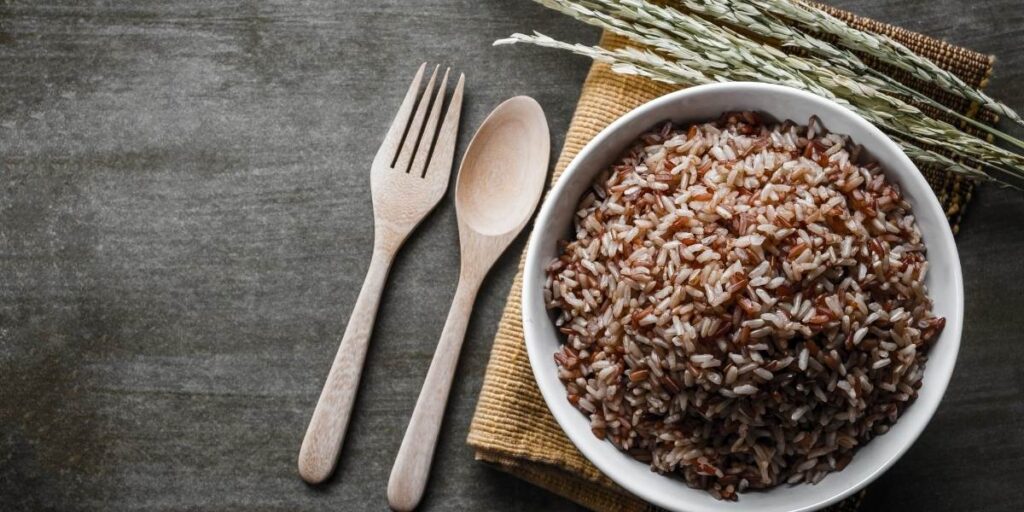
x,y
500,181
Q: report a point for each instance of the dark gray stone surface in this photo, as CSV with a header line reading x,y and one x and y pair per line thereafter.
x,y
185,223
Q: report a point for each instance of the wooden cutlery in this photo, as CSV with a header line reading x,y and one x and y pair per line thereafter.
x,y
499,185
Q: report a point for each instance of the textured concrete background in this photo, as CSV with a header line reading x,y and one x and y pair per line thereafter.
x,y
185,223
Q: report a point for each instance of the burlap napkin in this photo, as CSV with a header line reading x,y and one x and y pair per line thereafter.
x,y
512,427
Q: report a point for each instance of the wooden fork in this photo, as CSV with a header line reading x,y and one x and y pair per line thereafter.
x,y
404,188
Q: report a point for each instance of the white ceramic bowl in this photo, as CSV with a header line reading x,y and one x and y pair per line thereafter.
x,y
705,103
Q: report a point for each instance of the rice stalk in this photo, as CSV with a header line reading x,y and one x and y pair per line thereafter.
x,y
752,18
662,26
883,48
633,61
699,51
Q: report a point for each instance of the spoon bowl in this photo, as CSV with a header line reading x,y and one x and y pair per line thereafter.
x,y
498,185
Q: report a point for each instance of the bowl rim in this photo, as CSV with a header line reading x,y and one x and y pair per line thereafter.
x,y
563,412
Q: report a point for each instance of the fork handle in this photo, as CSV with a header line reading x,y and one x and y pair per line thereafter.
x,y
412,466
320,447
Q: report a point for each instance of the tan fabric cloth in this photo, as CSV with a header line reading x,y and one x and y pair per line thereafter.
x,y
512,427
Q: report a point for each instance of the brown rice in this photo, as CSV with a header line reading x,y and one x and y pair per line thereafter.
x,y
743,303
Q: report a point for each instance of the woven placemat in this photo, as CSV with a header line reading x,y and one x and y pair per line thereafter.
x,y
512,427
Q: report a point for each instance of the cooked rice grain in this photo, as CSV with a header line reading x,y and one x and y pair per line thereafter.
x,y
743,304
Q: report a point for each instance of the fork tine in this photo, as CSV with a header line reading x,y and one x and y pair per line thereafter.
x,y
440,166
389,147
413,134
419,162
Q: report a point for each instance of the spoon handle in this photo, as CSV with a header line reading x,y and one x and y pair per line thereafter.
x,y
412,466
326,431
